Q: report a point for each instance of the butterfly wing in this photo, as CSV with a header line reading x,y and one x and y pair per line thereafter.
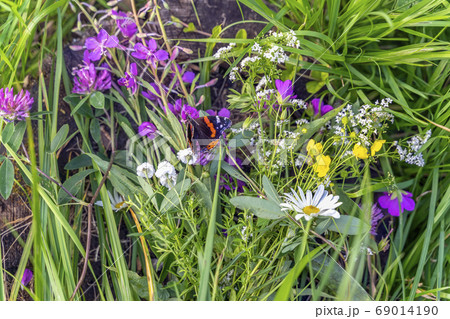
x,y
206,131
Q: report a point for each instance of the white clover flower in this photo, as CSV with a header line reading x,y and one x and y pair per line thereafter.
x,y
321,204
187,156
145,170
166,174
117,201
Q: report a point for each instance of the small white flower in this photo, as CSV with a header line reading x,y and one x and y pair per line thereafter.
x,y
145,170
308,207
187,156
117,201
167,174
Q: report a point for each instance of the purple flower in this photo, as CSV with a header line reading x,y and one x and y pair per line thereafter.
x,y
130,79
189,112
392,204
27,276
87,79
125,23
147,129
99,45
177,107
375,217
317,105
285,89
150,53
150,95
224,112
15,107
187,77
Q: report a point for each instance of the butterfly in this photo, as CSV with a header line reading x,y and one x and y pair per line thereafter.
x,y
203,133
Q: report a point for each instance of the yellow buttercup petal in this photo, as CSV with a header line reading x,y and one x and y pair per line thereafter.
x,y
314,149
360,152
376,146
322,165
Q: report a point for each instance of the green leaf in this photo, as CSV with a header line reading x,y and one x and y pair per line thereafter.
x,y
270,190
139,284
233,172
260,207
174,197
97,100
348,225
7,132
190,28
16,139
60,138
6,178
73,185
78,162
314,86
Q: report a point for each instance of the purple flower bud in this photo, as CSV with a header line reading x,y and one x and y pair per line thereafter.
x,y
125,23
27,276
15,107
317,105
99,45
147,129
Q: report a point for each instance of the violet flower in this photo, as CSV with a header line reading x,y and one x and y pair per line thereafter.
x,y
150,95
151,53
375,217
87,79
189,112
318,105
187,77
392,204
129,80
27,276
147,129
177,107
15,107
285,89
224,112
125,23
99,45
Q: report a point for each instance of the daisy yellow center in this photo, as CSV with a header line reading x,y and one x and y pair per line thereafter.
x,y
119,205
308,210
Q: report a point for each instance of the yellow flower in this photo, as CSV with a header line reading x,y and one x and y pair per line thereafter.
x,y
353,135
360,152
376,146
322,165
314,149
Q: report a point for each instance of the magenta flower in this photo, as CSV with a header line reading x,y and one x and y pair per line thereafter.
x,y
151,53
27,276
88,79
285,89
15,107
224,112
392,204
147,129
188,77
189,112
150,95
129,80
125,23
99,45
317,105
375,217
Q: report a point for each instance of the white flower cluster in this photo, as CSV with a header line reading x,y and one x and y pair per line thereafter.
x,y
248,61
263,82
187,156
369,120
233,73
411,154
276,55
166,173
286,38
300,104
257,48
222,51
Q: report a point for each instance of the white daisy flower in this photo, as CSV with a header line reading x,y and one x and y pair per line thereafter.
x,y
187,156
117,201
308,206
145,170
167,174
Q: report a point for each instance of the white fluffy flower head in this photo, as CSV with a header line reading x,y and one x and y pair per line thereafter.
x,y
187,156
145,170
309,206
167,174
